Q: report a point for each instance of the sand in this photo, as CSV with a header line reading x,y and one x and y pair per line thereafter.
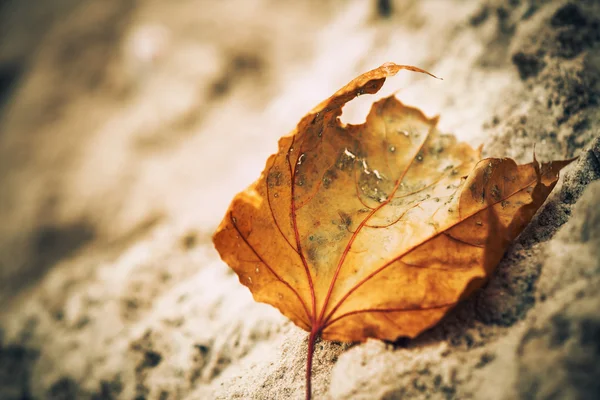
x,y
126,128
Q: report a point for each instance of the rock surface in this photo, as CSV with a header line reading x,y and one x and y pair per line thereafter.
x,y
126,127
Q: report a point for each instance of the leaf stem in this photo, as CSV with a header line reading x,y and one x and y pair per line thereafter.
x,y
309,359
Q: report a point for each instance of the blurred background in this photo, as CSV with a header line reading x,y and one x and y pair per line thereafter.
x,y
118,114
126,126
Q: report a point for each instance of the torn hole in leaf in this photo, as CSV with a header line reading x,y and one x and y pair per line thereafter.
x,y
355,112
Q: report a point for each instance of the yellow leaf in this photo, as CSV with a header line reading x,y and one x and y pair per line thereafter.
x,y
375,230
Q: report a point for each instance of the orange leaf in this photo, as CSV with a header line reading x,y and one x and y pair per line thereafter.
x,y
375,230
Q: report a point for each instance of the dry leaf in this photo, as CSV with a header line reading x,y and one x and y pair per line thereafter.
x,y
375,230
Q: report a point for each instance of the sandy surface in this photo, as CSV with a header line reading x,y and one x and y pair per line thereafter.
x,y
127,126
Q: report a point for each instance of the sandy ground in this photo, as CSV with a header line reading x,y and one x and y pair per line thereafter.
x,y
127,126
